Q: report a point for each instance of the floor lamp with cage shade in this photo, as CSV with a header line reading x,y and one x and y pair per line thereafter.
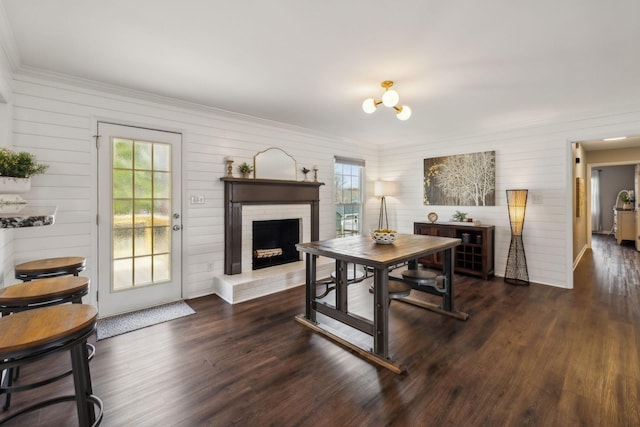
x,y
516,271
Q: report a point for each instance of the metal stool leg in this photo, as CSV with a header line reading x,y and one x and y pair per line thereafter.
x,y
8,382
82,383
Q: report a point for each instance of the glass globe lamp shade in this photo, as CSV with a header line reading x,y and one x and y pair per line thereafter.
x,y
369,105
390,98
404,113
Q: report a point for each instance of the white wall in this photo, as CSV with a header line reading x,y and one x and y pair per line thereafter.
x,y
612,180
6,122
537,158
57,120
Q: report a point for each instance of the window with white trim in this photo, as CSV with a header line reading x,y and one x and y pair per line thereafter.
x,y
348,181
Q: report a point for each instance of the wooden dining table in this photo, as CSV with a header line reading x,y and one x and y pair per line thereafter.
x,y
380,258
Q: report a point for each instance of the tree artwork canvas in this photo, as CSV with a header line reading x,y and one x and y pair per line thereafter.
x,y
461,180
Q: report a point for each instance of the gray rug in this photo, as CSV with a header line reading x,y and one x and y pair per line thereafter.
x,y
123,323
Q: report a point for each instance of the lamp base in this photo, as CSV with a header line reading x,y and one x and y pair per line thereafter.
x,y
383,219
516,272
517,282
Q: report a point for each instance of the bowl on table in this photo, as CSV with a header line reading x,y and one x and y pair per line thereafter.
x,y
384,236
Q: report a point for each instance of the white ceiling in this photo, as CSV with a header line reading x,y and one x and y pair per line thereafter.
x,y
599,144
462,66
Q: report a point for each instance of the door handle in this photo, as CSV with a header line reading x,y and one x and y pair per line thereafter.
x,y
176,227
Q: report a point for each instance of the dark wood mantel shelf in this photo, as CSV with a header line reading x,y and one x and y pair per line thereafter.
x,y
243,191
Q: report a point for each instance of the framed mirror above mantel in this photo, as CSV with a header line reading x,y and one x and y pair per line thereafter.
x,y
275,163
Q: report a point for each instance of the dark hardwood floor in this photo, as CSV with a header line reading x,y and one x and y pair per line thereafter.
x,y
537,355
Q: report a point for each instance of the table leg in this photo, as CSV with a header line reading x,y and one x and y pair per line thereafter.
x,y
381,312
341,286
447,300
310,286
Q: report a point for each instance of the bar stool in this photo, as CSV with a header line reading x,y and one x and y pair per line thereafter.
x,y
50,267
33,335
354,275
424,280
41,293
398,289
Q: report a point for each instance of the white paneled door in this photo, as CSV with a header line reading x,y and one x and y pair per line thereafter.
x,y
139,218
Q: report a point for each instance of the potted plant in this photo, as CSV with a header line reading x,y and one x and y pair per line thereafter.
x,y
627,200
459,216
245,169
16,170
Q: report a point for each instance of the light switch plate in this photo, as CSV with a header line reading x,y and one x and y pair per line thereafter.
x,y
197,200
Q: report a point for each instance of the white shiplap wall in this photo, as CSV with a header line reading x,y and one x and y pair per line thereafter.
x,y
6,124
56,120
537,158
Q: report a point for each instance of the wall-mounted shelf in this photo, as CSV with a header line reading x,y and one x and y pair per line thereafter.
x,y
25,215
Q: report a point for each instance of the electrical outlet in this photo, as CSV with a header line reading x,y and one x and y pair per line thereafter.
x,y
210,266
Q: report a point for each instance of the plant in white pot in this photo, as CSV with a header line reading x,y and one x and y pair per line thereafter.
x,y
16,170
245,169
627,200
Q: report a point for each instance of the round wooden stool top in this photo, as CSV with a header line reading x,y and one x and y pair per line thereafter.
x,y
59,289
50,267
398,288
419,275
35,330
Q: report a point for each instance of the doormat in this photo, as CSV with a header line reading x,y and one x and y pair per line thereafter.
x,y
123,323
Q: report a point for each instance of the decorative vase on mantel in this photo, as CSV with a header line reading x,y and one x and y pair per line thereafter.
x,y
11,188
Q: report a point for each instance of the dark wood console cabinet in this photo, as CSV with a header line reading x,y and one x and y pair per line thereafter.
x,y
474,256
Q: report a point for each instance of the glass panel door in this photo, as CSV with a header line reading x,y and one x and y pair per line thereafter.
x,y
144,221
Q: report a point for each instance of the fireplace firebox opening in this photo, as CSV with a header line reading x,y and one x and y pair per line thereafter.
x,y
274,242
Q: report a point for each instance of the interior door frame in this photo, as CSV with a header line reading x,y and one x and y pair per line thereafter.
x,y
587,134
94,274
